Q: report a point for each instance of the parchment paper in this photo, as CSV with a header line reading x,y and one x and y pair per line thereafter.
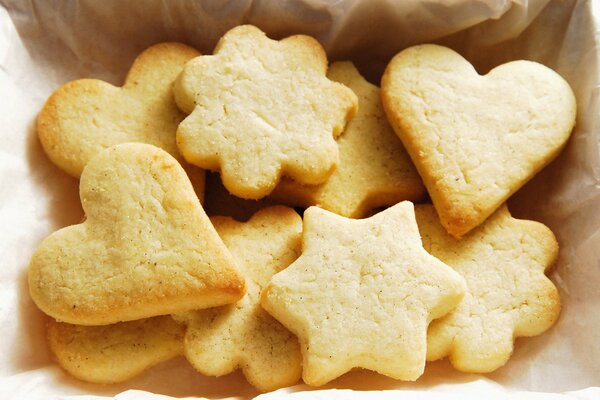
x,y
46,43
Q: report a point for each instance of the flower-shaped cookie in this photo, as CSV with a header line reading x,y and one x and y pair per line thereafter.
x,y
84,117
362,294
261,108
475,140
146,248
503,262
243,335
374,170
117,352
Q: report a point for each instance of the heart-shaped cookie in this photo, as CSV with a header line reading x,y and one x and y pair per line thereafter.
x,y
85,116
146,248
475,139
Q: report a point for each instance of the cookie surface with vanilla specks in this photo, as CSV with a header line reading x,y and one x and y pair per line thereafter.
x,y
474,139
374,170
117,352
362,294
85,116
145,249
243,335
260,109
508,295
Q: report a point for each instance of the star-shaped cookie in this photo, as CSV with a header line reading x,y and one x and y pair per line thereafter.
x,y
474,139
146,248
374,170
261,108
362,294
243,335
117,352
503,262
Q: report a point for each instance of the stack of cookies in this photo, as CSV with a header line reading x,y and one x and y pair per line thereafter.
x,y
364,279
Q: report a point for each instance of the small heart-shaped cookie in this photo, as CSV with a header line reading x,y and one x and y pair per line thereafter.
x,y
475,139
146,248
85,116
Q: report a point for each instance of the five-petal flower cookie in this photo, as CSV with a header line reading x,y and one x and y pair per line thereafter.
x,y
503,263
243,335
146,248
362,294
374,170
474,139
117,352
261,108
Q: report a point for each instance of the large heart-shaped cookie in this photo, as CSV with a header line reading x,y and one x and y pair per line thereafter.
x,y
146,248
475,139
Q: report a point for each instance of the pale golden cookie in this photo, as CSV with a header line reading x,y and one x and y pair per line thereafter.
x,y
261,108
374,170
114,353
243,335
503,262
146,248
362,294
84,117
474,139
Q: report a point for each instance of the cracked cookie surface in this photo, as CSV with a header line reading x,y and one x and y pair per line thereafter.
x,y
145,249
475,139
260,109
362,294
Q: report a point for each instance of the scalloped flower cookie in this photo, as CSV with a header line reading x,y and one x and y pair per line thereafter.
x,y
508,295
261,108
362,294
374,169
145,249
243,335
474,139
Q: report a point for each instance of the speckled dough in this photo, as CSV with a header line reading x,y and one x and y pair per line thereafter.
x,y
503,262
243,335
475,139
86,116
146,248
114,353
362,294
374,170
261,108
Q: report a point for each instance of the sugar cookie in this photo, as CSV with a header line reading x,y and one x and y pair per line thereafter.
x,y
114,353
362,294
503,263
261,108
146,248
475,139
83,117
243,335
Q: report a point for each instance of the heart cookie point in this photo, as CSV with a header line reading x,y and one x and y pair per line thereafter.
x,y
475,140
146,248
